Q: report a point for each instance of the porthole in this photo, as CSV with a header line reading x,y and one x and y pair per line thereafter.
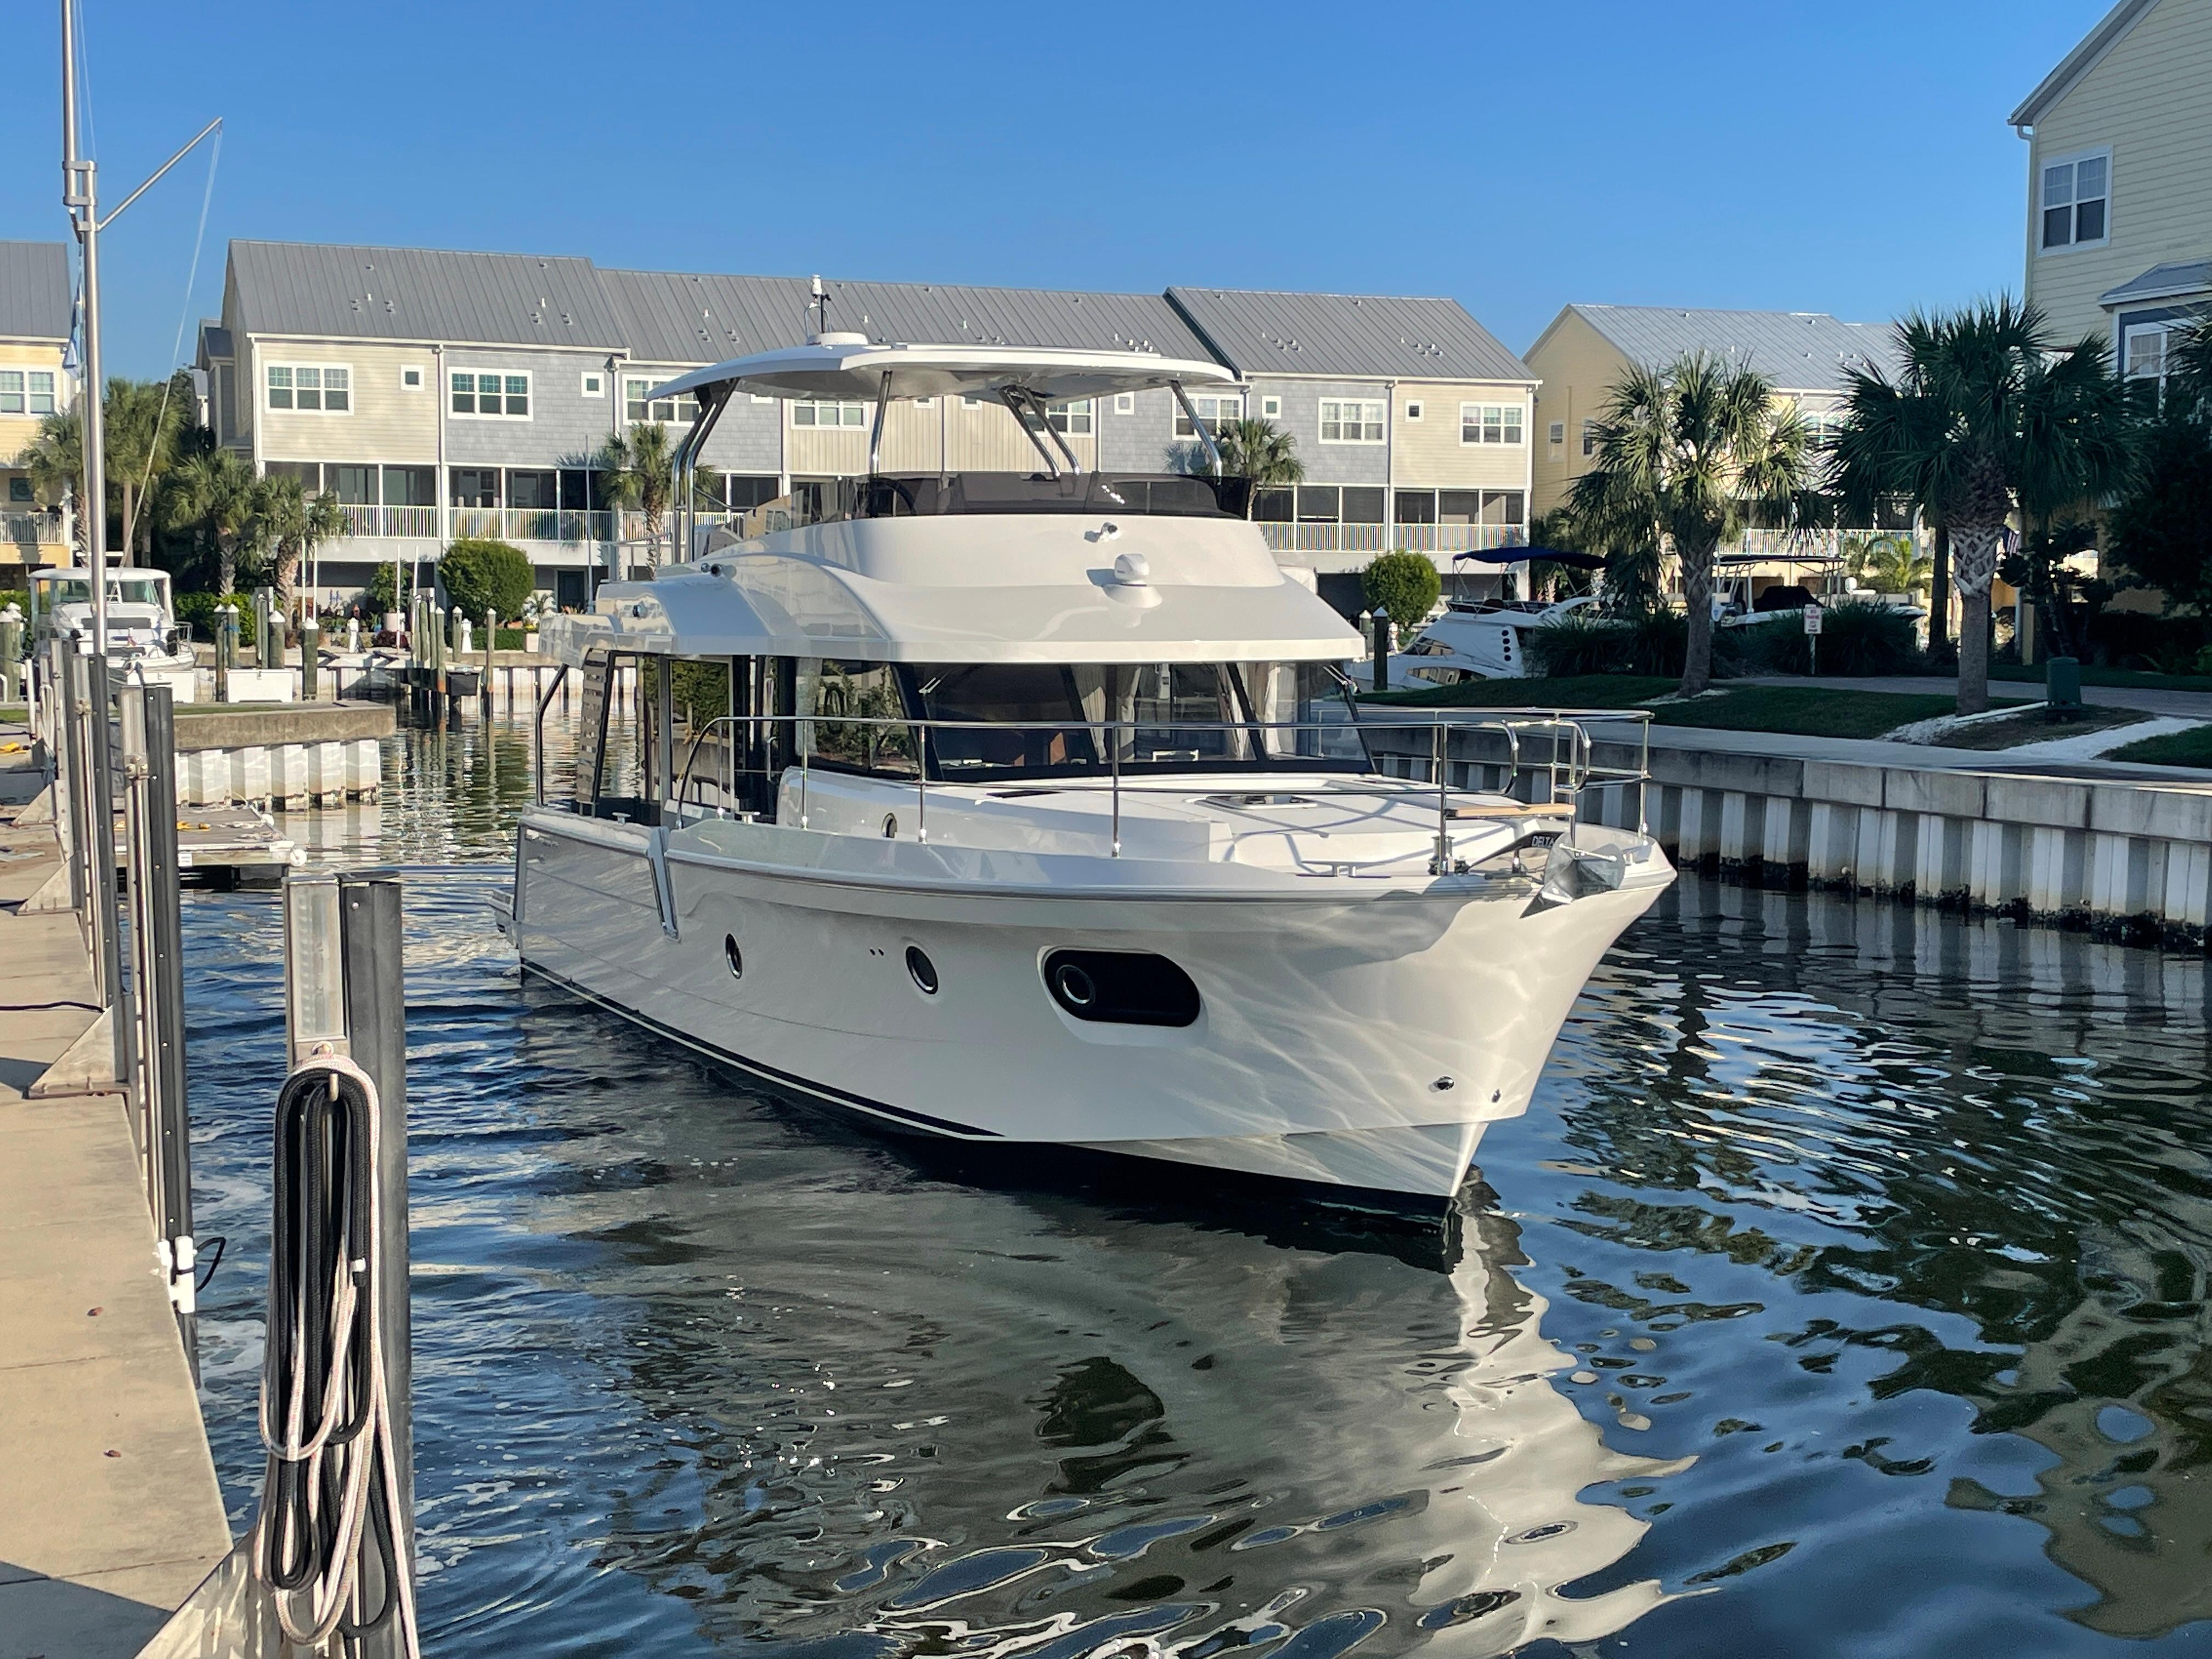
x,y
1121,987
923,970
733,956
890,826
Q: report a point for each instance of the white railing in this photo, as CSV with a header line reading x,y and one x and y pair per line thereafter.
x,y
30,529
1389,537
418,523
531,523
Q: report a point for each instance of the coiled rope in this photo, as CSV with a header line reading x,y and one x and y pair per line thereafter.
x,y
332,1484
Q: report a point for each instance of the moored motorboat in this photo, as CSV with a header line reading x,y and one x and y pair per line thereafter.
x,y
1032,808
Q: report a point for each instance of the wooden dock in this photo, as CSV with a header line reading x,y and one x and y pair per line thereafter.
x,y
112,1511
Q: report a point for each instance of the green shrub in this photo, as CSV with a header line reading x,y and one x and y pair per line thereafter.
x,y
1406,585
1655,642
1857,637
480,575
199,610
16,597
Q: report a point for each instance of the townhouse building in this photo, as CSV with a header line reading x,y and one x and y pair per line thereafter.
x,y
2119,208
36,380
439,394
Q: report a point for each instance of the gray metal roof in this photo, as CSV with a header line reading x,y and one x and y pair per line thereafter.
x,y
215,340
674,317
1794,350
2167,282
2080,61
34,290
1347,336
329,290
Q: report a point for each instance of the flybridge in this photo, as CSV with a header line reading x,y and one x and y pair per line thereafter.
x,y
851,368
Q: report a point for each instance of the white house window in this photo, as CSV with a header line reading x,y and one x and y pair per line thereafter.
x,y
490,397
410,378
636,406
1490,423
1589,439
1125,403
815,413
27,391
1350,421
1413,409
595,383
1271,409
1559,433
1073,417
2077,200
2146,354
1216,411
320,386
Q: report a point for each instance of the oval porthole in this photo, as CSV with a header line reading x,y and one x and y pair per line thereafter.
x,y
1075,988
923,970
1121,987
890,826
733,956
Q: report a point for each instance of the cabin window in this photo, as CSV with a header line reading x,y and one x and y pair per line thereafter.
x,y
27,391
848,707
1490,423
1216,411
490,397
636,406
1351,421
2076,201
808,412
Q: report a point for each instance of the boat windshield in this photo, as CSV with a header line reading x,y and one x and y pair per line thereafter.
x,y
123,590
935,494
1072,720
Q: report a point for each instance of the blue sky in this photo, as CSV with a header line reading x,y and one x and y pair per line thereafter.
x,y
1851,159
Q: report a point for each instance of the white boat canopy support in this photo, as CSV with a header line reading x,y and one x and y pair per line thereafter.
x,y
853,368
1008,589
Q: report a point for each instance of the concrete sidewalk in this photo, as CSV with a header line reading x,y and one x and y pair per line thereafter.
x,y
112,1512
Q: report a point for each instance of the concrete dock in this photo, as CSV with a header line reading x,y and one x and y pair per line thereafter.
x,y
110,1513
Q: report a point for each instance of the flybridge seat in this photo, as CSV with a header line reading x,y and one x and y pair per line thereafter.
x,y
930,495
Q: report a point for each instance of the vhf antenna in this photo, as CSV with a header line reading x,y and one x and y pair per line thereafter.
x,y
821,306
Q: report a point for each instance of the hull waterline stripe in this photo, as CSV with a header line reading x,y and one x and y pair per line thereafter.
x,y
820,1090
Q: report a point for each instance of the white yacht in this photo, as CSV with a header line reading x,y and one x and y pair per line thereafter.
x,y
143,640
1477,640
1030,808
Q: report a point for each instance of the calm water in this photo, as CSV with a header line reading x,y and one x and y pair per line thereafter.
x,y
1842,1292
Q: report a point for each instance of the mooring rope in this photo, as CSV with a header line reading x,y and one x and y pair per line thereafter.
x,y
332,1484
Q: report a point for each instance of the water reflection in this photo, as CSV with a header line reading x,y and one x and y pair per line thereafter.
x,y
1844,1290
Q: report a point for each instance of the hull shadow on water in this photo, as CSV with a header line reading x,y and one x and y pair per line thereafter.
x,y
1844,1290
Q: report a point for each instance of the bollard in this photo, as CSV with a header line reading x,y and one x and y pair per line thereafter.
x,y
262,607
1381,647
225,649
491,641
311,643
11,653
353,635
149,767
345,999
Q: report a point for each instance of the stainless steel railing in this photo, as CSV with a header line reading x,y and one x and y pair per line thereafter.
x,y
1548,749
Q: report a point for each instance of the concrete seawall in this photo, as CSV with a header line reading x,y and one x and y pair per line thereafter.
x,y
2129,857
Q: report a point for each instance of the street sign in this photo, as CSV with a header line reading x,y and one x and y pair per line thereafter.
x,y
1813,619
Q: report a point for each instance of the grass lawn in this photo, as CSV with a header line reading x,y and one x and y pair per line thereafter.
x,y
2036,727
2189,748
1569,692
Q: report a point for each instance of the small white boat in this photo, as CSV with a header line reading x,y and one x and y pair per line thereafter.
x,y
143,640
1030,808
1477,640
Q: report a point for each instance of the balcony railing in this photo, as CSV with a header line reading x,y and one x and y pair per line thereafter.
x,y
1389,537
30,529
419,522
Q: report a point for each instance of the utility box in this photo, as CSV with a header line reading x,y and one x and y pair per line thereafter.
x,y
2062,683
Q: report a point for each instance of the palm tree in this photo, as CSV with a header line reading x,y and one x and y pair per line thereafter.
x,y
1895,565
218,494
1686,455
1259,453
55,461
1985,418
296,523
142,425
638,472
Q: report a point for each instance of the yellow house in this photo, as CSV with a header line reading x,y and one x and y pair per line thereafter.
x,y
2119,209
34,382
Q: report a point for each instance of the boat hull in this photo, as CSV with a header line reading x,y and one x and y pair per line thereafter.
x,y
1354,1039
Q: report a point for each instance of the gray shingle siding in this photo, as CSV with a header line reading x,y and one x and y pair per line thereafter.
x,y
564,427
1384,337
34,291
1337,464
